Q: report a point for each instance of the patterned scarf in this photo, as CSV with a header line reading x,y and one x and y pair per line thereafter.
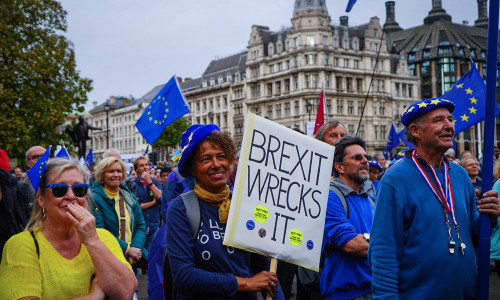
x,y
221,200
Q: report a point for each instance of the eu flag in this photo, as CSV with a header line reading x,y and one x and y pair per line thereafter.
x,y
35,173
468,94
89,159
403,139
392,143
166,107
63,153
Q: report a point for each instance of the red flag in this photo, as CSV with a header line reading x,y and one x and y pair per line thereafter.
x,y
320,117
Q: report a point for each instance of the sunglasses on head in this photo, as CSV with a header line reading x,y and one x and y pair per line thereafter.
x,y
361,156
60,189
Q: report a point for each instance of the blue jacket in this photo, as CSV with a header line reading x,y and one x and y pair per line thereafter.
x,y
409,240
107,218
144,195
345,276
203,268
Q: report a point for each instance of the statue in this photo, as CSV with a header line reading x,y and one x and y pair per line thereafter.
x,y
80,135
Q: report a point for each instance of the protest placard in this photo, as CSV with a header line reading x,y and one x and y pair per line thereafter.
x,y
280,195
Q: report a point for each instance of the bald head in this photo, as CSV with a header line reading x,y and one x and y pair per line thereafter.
x,y
33,154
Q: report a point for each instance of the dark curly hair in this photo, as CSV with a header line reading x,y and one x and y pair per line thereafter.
x,y
222,139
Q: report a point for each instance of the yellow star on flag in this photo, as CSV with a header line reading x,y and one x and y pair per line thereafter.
x,y
166,110
473,100
460,85
420,105
150,107
454,121
465,118
164,116
149,112
469,91
472,110
159,97
150,118
435,102
156,121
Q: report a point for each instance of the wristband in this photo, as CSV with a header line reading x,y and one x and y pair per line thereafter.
x,y
150,184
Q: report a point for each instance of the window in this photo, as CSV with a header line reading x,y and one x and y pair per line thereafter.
x,y
398,91
220,80
328,106
287,109
374,32
336,62
310,40
271,69
212,81
288,64
297,107
382,108
355,45
411,69
311,81
287,84
255,71
205,105
375,47
374,108
311,59
296,82
361,107
218,102
346,63
361,131
325,40
338,82
346,44
296,42
327,59
359,84
356,64
271,50
383,132
340,107
410,90
270,111
426,53
350,129
350,107
270,89
225,101
204,83
278,87
296,60
280,66
425,68
327,80
211,104
278,110
255,91
334,43
348,83
376,131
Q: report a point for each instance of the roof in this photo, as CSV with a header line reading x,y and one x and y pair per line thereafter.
x,y
118,102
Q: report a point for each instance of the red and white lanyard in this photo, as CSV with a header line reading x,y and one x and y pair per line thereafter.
x,y
445,197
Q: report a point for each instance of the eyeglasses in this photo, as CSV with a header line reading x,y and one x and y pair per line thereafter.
x,y
36,156
360,157
60,189
473,165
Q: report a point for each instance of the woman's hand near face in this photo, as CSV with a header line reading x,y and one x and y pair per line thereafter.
x,y
84,222
265,280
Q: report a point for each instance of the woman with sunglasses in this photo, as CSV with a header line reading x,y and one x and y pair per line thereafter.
x,y
62,255
117,209
202,267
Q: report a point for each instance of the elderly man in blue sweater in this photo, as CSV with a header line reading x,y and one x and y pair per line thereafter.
x,y
426,221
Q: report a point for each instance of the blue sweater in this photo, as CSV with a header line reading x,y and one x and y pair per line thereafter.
x,y
204,268
409,240
345,276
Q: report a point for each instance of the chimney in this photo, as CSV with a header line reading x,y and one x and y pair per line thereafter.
x,y
344,21
465,22
94,104
482,13
437,13
390,22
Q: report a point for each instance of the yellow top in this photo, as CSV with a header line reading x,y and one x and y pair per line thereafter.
x,y
128,232
24,274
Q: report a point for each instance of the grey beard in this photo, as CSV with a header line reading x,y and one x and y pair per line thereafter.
x,y
358,178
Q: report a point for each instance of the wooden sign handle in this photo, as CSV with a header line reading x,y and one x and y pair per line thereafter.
x,y
274,265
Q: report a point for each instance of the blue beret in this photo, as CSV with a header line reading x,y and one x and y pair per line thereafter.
x,y
376,164
192,142
422,107
187,133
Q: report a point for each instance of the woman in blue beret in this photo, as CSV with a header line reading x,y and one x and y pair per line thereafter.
x,y
202,267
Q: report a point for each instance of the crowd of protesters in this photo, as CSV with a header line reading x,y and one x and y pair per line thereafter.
x,y
391,228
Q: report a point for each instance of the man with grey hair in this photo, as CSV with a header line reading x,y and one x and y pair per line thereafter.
x,y
111,152
416,239
346,273
33,154
330,132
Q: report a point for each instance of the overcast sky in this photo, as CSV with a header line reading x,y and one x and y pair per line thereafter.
x,y
127,47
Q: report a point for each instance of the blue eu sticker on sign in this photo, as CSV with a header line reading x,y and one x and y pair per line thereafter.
x,y
310,245
250,225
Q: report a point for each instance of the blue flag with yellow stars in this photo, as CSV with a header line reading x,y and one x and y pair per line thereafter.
x,y
392,143
468,94
35,173
63,153
89,159
403,139
166,107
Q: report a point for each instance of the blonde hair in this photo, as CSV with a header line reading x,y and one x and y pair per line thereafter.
x,y
55,167
105,164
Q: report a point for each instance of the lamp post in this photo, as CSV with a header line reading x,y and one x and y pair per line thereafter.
x,y
309,109
106,109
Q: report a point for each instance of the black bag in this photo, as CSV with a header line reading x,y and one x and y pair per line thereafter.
x,y
193,212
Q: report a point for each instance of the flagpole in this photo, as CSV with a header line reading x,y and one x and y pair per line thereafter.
x,y
489,132
324,102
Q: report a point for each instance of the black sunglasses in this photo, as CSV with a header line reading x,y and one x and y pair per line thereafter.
x,y
60,189
360,157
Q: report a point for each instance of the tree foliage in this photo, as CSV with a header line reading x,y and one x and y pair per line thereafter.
x,y
39,82
171,135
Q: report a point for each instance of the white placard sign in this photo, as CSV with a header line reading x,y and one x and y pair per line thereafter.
x,y
280,195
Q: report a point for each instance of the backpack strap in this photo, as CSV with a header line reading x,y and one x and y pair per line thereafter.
x,y
36,242
193,211
341,195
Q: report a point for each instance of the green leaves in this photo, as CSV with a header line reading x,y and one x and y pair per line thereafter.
x,y
171,135
38,77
